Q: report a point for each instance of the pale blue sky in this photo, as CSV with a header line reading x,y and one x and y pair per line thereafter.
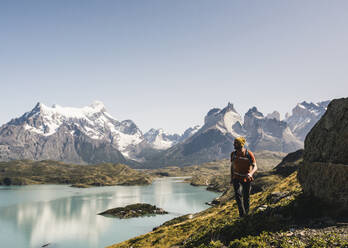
x,y
166,63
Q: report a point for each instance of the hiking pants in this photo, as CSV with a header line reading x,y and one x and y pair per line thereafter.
x,y
243,205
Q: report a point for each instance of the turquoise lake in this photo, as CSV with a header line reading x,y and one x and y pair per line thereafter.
x,y
62,216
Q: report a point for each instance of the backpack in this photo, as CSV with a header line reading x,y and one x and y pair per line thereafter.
x,y
246,154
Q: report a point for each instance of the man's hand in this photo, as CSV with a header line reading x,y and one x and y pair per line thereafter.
x,y
249,177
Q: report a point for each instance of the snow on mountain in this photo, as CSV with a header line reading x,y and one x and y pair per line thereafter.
x,y
92,120
161,140
227,120
214,140
274,115
91,135
264,133
51,118
189,132
304,116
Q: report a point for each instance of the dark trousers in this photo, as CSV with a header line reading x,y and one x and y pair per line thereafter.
x,y
243,205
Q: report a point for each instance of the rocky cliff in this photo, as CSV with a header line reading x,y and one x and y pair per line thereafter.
x,y
324,173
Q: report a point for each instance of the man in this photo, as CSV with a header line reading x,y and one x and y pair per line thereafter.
x,y
243,167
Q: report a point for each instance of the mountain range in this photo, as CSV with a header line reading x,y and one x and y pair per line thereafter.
x,y
91,135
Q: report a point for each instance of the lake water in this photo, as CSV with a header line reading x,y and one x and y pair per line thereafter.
x,y
35,215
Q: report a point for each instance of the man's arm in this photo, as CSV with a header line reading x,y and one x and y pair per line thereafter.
x,y
254,165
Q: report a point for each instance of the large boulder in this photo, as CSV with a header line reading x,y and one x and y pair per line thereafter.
x,y
324,172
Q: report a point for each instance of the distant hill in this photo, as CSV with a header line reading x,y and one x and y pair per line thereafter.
x,y
23,172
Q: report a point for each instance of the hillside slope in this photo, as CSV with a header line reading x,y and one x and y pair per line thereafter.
x,y
281,217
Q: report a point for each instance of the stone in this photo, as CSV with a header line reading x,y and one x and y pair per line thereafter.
x,y
275,197
262,208
328,139
324,173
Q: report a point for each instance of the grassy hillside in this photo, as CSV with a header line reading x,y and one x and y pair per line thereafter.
x,y
281,217
21,172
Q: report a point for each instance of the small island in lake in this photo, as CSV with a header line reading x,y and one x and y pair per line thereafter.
x,y
134,210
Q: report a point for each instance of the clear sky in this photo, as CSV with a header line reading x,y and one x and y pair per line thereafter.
x,y
164,64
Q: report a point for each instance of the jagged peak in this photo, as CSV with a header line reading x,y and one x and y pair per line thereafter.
x,y
306,104
312,105
274,115
228,108
39,107
159,132
254,112
155,130
311,108
152,130
191,130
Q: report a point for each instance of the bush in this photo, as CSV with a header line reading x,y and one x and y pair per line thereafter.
x,y
7,181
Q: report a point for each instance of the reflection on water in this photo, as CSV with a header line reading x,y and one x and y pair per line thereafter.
x,y
67,217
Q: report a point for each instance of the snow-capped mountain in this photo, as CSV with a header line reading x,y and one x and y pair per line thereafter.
x,y
268,133
274,115
91,135
189,132
92,120
160,139
214,140
65,126
304,116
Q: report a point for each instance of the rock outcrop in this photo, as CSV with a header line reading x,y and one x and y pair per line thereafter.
x,y
324,172
134,210
289,164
